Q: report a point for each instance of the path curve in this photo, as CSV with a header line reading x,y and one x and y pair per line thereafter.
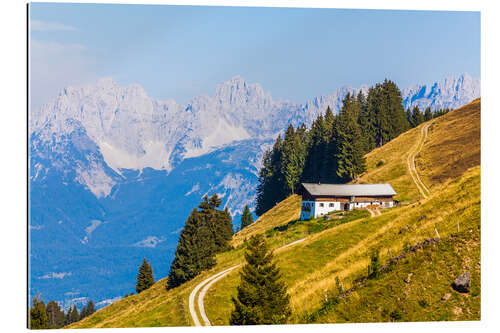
x,y
411,162
206,284
201,296
192,310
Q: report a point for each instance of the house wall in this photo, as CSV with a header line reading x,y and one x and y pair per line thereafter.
x,y
307,210
314,209
324,207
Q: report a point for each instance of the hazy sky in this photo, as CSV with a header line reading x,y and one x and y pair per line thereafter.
x,y
178,52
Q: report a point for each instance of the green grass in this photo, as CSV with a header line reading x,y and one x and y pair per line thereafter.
x,y
432,269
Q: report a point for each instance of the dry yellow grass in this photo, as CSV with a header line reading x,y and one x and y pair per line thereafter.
x,y
453,145
284,212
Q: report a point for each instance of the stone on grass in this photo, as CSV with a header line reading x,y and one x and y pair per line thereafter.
x,y
462,283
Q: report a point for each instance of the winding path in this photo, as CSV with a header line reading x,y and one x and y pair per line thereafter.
x,y
206,284
411,162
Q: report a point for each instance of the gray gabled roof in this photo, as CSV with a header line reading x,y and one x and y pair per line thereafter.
x,y
349,189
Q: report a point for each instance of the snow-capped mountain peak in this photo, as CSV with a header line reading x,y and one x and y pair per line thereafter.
x,y
135,131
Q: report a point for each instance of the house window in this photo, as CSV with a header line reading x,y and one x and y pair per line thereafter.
x,y
321,205
332,204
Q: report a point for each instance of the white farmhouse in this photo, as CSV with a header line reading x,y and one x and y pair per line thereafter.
x,y
320,199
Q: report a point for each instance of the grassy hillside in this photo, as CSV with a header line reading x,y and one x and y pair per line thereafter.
x,y
341,248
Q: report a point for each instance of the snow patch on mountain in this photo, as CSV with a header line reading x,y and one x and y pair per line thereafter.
x,y
222,133
95,179
195,188
90,229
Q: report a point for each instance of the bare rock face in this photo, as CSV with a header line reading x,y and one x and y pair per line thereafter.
x,y
462,283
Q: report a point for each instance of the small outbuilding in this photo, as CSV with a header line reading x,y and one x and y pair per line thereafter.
x,y
321,199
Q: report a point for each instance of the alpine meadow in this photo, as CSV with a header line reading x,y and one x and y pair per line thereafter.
x,y
351,194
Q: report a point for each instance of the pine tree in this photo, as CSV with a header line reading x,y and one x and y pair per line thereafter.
x,y
395,109
38,314
219,222
271,181
417,116
350,156
145,278
292,160
427,114
246,218
91,307
223,230
74,316
83,313
195,251
262,297
408,117
55,315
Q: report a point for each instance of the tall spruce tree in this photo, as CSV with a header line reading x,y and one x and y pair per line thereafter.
x,y
395,110
219,222
224,230
350,156
315,151
262,296
271,188
91,306
38,314
195,251
292,162
246,218
145,278
427,113
417,117
74,316
408,117
55,315
83,312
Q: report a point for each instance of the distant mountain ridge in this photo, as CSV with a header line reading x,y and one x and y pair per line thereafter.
x,y
134,131
114,173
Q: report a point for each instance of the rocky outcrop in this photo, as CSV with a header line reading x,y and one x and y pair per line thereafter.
x,y
462,283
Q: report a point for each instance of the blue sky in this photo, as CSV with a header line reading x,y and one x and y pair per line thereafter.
x,y
178,52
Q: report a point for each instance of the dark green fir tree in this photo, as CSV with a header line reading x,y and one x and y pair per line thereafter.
x,y
83,313
91,307
74,316
145,277
246,217
427,113
195,251
262,296
55,315
351,162
408,117
38,314
417,117
293,159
